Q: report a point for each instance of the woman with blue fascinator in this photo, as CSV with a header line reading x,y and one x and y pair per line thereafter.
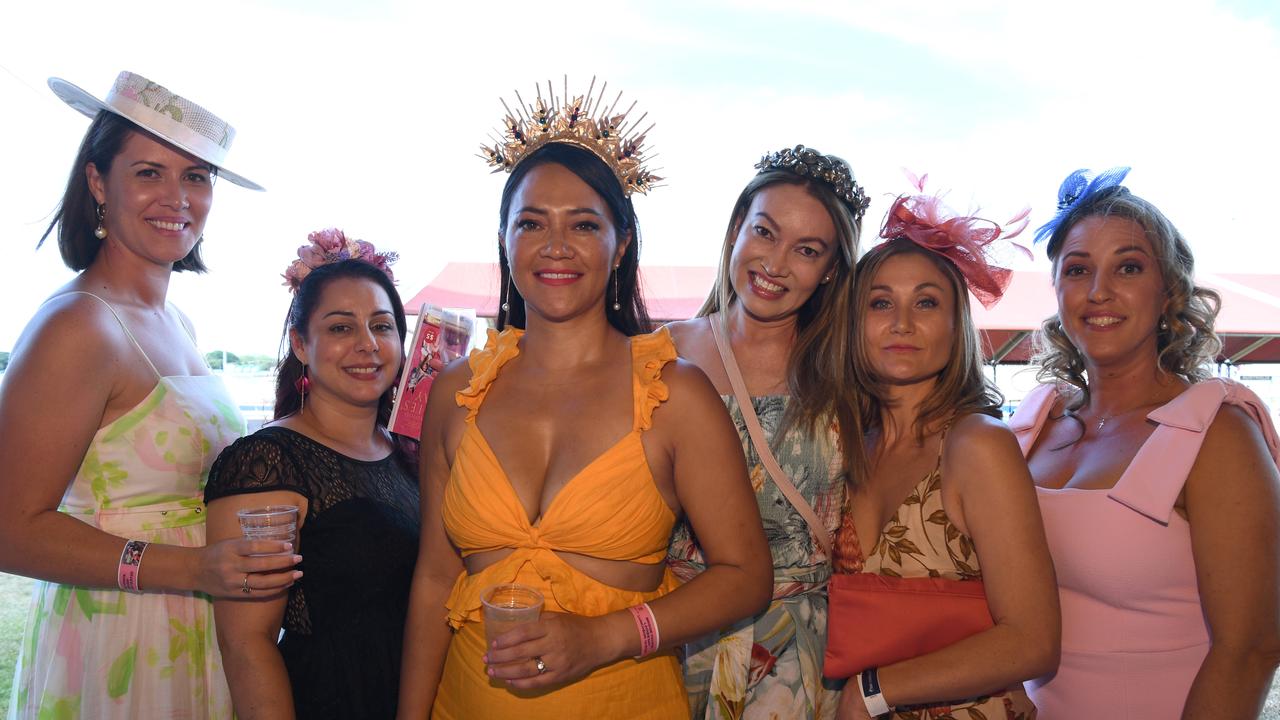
x,y
1158,483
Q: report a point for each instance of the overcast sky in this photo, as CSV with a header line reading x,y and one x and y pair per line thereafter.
x,y
367,116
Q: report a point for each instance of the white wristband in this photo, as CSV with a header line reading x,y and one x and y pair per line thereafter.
x,y
869,686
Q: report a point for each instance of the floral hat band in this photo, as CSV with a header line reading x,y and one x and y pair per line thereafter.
x,y
330,246
163,113
967,241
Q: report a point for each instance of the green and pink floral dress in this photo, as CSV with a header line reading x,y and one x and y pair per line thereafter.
x,y
769,666
105,654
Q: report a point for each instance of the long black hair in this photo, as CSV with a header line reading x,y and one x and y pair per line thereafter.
x,y
631,318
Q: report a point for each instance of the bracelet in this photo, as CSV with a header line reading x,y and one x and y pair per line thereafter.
x,y
130,564
871,694
648,627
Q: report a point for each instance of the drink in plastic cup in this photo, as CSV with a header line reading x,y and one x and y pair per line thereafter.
x,y
273,522
506,606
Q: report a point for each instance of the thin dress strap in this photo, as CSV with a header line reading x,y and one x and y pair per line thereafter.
x,y
116,315
191,335
942,444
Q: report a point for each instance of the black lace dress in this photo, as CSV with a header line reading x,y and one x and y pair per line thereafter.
x,y
344,621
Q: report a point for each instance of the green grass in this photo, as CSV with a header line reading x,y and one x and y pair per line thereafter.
x,y
15,600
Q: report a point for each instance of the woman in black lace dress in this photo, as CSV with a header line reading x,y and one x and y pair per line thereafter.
x,y
329,453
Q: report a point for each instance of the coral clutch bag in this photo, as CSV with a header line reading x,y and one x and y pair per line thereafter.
x,y
875,620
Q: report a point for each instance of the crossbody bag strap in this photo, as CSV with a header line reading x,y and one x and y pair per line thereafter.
x,y
760,442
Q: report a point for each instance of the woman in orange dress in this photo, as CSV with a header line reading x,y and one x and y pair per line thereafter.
x,y
560,457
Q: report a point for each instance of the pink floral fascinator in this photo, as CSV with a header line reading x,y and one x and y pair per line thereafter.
x,y
969,242
331,246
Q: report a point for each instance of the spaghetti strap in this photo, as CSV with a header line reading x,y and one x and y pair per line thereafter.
x,y
116,315
942,444
185,327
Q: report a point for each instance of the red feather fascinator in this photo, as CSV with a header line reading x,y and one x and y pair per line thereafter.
x,y
967,241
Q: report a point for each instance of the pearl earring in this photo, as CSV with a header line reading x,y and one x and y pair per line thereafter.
x,y
100,232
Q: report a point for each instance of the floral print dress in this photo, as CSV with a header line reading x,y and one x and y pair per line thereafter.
x,y
921,541
770,665
105,653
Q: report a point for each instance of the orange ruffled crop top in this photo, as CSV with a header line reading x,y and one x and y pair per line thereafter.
x,y
610,509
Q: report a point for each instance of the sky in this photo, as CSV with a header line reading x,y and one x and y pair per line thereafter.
x,y
368,116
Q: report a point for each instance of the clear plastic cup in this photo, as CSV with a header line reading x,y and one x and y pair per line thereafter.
x,y
506,606
273,522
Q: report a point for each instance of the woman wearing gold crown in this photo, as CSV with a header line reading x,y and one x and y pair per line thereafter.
x,y
561,455
774,338
109,421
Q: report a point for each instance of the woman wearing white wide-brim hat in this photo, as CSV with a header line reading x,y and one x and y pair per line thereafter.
x,y
109,421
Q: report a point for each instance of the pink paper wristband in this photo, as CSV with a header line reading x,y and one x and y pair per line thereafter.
x,y
648,627
130,563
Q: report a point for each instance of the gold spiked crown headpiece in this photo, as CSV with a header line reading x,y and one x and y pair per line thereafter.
x,y
582,122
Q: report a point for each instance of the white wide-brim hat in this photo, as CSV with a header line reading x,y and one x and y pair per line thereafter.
x,y
168,116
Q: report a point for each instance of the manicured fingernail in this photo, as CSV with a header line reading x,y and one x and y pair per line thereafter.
x,y
490,672
288,547
297,558
297,574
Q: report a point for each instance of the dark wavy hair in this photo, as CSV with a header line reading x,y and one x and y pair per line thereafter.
x,y
76,217
290,368
632,318
1186,345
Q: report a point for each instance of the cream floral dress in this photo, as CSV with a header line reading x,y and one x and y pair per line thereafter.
x,y
105,654
921,541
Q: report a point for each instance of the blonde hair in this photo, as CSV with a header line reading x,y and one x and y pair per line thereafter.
x,y
962,388
819,369
1186,342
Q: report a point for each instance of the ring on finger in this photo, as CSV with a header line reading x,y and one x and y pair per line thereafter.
x,y
245,587
537,662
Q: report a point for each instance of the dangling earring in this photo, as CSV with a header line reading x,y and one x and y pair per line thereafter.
x,y
1164,324
303,386
100,232
506,293
616,305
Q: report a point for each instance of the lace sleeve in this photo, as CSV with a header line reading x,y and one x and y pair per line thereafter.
x,y
253,464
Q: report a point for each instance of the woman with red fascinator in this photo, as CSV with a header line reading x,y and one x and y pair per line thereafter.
x,y
944,496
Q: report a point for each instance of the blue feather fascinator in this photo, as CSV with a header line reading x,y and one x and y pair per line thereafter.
x,y
1075,190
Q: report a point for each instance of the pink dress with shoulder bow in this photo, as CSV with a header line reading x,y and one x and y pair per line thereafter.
x,y
1133,630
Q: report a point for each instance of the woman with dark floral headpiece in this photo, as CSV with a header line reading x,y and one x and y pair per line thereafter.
x,y
773,336
943,493
1158,483
327,453
109,421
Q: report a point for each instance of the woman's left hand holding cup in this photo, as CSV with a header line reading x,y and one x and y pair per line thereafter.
x,y
569,646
